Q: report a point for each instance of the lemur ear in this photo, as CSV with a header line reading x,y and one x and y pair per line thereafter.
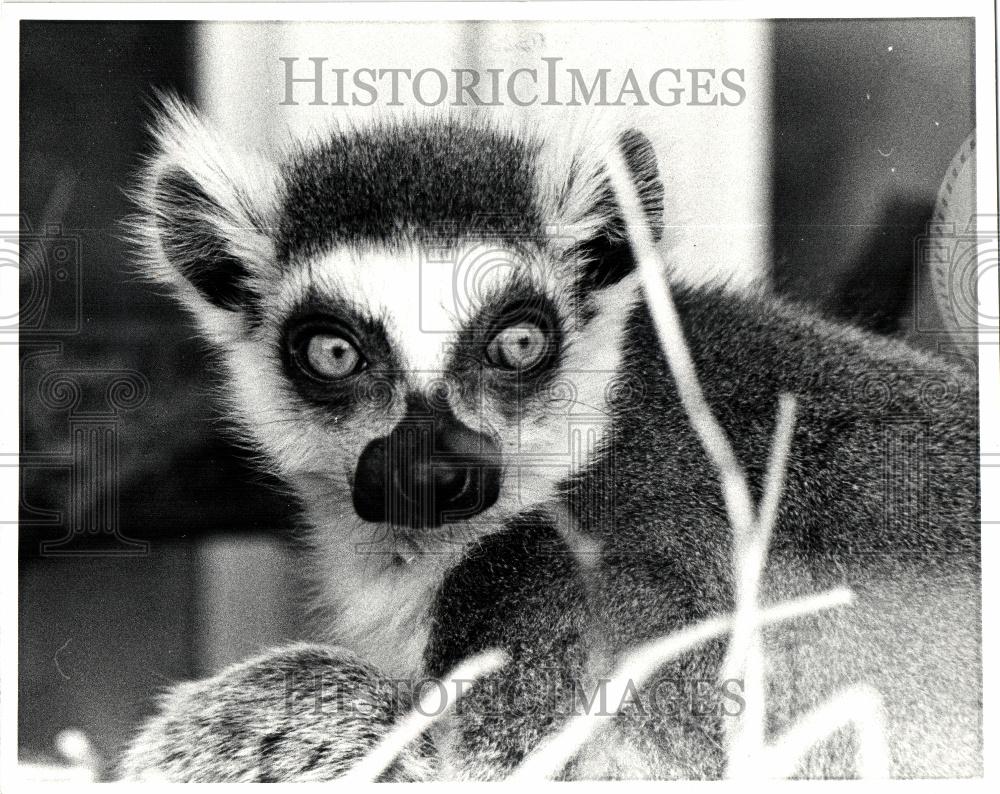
x,y
640,156
607,254
193,242
205,215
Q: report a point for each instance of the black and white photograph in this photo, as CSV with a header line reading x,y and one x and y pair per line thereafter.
x,y
509,392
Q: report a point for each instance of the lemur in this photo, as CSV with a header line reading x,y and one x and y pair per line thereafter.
x,y
433,330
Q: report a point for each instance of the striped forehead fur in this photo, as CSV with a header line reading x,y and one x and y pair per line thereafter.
x,y
438,178
434,180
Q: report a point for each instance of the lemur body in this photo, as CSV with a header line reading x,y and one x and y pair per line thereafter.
x,y
428,417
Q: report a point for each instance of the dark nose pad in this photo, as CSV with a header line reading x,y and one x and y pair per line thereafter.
x,y
427,472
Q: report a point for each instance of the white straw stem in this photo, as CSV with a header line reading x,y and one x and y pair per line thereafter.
x,y
429,710
551,756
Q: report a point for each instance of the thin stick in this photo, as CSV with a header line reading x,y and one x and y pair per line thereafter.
x,y
745,743
586,552
553,754
750,534
380,758
777,466
736,493
745,734
861,705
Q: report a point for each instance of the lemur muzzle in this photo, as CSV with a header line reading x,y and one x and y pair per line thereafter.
x,y
430,470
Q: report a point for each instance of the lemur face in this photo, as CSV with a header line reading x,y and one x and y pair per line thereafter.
x,y
420,323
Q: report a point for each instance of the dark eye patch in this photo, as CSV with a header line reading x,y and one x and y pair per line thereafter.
x,y
330,316
518,302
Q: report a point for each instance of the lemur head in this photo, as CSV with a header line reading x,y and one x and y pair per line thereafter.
x,y
420,322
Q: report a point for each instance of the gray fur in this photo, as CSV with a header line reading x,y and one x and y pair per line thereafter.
x,y
882,495
303,713
665,541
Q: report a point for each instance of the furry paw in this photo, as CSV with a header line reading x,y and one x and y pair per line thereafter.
x,y
301,713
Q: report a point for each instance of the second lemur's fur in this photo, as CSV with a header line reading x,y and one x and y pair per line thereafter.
x,y
433,332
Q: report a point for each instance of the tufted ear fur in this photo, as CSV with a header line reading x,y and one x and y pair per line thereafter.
x,y
590,209
205,217
644,166
608,254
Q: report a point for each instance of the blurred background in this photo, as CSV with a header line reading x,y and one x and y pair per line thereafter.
x,y
150,549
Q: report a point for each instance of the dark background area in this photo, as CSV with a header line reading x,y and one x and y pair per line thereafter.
x,y
862,138
105,624
867,117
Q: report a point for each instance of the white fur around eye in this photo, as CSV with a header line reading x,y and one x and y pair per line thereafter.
x,y
332,356
518,346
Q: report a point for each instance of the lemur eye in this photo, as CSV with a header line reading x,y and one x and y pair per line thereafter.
x,y
331,356
519,346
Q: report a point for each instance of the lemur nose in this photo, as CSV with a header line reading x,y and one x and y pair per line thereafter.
x,y
430,470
